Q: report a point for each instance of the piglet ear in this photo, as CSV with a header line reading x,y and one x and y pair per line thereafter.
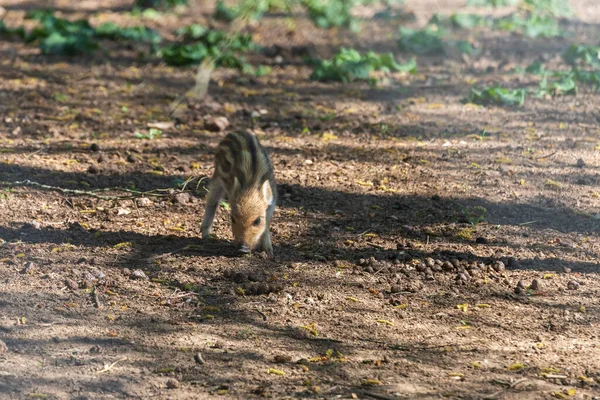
x,y
267,192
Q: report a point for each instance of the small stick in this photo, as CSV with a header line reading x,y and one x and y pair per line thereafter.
x,y
109,367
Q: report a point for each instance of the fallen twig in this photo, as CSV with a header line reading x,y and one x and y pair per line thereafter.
x,y
109,367
91,193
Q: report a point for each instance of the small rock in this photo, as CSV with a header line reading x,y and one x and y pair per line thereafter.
x,y
182,198
217,124
447,266
144,202
138,274
17,131
519,290
126,271
481,240
521,284
535,285
131,158
94,147
429,262
395,289
172,383
572,285
566,270
308,161
102,158
429,277
580,163
34,225
282,359
436,268
92,169
3,347
198,358
498,266
71,284
29,268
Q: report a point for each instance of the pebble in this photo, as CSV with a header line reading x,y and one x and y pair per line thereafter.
x,y
172,383
572,285
580,163
71,284
481,240
498,266
131,158
3,347
519,290
182,198
282,359
447,266
144,202
35,225
216,124
94,147
536,285
138,274
521,284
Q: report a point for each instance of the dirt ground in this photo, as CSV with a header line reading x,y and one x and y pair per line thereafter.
x,y
406,221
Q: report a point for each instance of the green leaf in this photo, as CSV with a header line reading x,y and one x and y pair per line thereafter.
x,y
426,41
582,54
497,95
536,68
349,65
224,13
467,21
192,32
109,30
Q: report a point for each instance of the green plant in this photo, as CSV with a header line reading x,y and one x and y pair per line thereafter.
x,y
152,134
60,36
109,30
531,25
553,8
491,3
475,214
332,13
349,64
582,55
426,41
159,4
219,45
564,84
497,95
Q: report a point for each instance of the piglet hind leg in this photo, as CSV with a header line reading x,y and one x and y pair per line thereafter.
x,y
215,193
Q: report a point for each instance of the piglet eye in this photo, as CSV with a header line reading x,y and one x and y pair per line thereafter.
x,y
256,222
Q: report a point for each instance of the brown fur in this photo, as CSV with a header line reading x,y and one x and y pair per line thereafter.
x,y
243,173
